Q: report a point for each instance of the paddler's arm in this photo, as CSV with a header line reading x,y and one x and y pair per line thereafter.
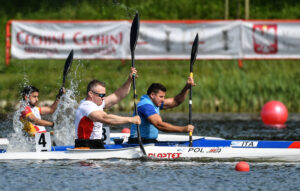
x,y
38,121
103,117
178,99
51,109
157,121
122,92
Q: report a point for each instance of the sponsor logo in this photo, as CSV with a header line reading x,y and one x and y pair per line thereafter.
x,y
215,150
79,39
244,143
165,155
204,150
196,150
265,38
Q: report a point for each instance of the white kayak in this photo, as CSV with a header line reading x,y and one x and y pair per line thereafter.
x,y
172,147
161,152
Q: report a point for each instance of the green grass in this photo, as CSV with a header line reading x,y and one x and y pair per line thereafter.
x,y
221,85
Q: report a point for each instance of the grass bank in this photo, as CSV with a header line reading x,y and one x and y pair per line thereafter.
x,y
221,85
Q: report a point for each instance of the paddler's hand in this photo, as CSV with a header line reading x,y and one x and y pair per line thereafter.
x,y
61,91
133,72
190,82
136,120
190,128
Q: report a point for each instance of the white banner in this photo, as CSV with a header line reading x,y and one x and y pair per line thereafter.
x,y
89,40
157,39
271,40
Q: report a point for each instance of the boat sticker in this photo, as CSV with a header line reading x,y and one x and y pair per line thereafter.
x,y
196,149
204,150
181,150
165,155
214,150
244,143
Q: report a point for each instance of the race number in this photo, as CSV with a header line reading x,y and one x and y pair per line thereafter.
x,y
42,142
106,135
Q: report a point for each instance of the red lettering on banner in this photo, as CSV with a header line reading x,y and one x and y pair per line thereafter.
x,y
40,50
98,40
102,51
34,40
164,155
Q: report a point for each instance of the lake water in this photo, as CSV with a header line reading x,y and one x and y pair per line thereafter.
x,y
163,175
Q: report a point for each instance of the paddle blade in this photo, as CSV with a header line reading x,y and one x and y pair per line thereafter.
x,y
134,32
194,51
67,67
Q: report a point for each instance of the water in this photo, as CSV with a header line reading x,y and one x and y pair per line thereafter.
x,y
164,175
145,175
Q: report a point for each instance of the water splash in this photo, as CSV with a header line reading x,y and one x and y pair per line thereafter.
x,y
18,140
129,11
64,116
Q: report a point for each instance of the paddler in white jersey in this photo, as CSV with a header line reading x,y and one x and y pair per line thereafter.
x,y
31,115
90,116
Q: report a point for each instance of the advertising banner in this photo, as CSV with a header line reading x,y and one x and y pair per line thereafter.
x,y
173,40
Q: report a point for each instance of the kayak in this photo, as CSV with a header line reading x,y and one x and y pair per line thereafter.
x,y
172,147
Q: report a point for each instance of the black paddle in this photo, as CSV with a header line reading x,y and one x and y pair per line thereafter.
x,y
67,67
134,33
66,71
193,58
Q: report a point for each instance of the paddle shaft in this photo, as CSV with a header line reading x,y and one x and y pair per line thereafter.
x,y
135,107
190,109
134,33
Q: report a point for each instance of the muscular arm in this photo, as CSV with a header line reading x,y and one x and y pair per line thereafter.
x,y
49,109
157,121
178,99
52,108
120,93
103,117
40,122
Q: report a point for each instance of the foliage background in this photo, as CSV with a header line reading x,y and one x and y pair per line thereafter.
x,y
221,85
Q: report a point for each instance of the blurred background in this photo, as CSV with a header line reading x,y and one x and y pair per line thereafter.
x,y
222,86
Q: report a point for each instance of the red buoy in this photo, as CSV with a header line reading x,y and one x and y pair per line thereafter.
x,y
242,166
274,113
125,130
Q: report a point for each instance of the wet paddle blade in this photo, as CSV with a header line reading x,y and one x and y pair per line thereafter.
x,y
67,67
194,52
134,32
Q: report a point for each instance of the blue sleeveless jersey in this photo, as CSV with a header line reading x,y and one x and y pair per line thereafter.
x,y
145,109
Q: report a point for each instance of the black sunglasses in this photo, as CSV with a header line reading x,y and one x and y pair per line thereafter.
x,y
100,95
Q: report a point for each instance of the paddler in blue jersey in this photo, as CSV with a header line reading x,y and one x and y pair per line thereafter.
x,y
149,111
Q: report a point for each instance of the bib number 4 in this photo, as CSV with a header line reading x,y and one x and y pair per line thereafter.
x,y
42,142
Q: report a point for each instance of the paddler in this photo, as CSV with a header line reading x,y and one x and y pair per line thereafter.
x,y
149,110
90,116
31,115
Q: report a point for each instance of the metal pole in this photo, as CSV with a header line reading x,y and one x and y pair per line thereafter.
x,y
247,9
226,9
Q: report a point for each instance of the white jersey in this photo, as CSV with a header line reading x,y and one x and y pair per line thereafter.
x,y
85,127
30,127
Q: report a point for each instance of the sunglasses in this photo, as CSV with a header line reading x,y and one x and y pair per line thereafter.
x,y
100,95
